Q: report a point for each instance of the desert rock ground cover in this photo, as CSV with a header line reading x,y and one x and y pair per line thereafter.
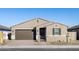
x,y
31,42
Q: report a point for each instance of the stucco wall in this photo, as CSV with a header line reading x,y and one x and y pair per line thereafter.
x,y
51,37
71,36
5,34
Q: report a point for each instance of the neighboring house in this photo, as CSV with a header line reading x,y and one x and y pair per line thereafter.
x,y
75,29
41,30
5,30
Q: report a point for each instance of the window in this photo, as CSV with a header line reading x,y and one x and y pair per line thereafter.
x,y
56,31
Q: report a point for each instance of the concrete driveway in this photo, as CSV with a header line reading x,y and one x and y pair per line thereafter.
x,y
19,42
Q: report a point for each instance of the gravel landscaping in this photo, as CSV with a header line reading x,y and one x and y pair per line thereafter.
x,y
31,42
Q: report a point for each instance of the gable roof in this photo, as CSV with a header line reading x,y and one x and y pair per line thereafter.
x,y
4,28
40,19
52,22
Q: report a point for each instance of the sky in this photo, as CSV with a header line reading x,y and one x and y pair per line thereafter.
x,y
13,16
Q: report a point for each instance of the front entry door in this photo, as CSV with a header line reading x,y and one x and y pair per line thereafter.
x,y
43,34
34,33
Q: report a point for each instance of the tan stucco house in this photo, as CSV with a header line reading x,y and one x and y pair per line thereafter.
x,y
39,29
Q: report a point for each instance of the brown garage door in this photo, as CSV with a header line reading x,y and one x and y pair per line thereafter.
x,y
23,34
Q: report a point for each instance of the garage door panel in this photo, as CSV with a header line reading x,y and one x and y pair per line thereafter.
x,y
23,34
